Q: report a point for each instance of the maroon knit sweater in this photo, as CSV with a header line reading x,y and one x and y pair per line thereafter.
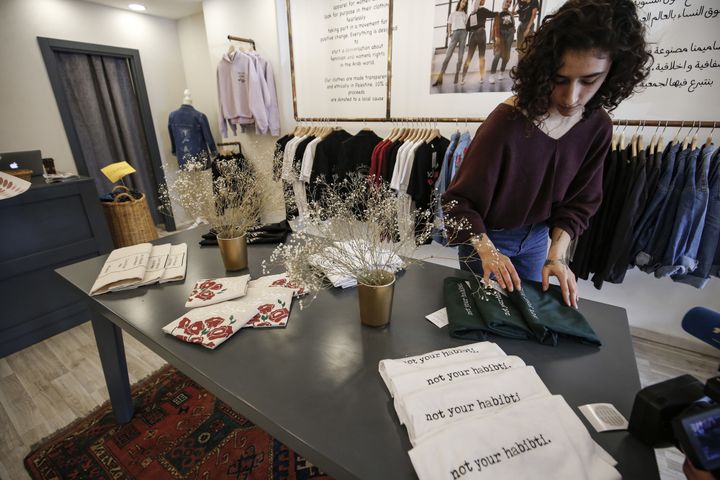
x,y
514,174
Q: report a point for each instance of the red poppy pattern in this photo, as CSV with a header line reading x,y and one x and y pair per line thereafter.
x,y
280,280
211,291
270,315
206,290
210,332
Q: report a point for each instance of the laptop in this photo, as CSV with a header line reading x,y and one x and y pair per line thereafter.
x,y
29,160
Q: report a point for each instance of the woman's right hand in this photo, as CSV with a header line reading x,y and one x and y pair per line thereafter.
x,y
494,262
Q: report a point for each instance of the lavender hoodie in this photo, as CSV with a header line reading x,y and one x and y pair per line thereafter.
x,y
240,93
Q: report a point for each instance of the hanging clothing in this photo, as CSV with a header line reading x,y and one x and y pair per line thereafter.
x,y
708,249
240,94
459,154
680,255
326,154
190,136
278,156
658,213
354,154
426,171
265,74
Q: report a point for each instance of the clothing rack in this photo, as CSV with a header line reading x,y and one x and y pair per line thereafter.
x,y
618,122
241,39
225,144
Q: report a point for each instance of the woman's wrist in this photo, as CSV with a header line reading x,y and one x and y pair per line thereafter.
x,y
482,244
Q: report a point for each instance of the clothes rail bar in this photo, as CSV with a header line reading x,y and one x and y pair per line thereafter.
x,y
242,39
616,121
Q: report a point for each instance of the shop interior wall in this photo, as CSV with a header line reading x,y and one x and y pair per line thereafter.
x,y
29,115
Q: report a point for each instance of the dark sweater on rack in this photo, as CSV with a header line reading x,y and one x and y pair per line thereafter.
x,y
355,152
326,154
514,174
425,171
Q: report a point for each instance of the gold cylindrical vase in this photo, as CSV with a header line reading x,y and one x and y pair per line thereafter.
x,y
376,300
233,252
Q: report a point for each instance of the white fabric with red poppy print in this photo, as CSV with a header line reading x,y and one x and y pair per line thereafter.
x,y
279,280
209,326
210,291
272,306
262,307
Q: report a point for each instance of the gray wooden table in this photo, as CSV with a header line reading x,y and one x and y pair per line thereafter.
x,y
315,384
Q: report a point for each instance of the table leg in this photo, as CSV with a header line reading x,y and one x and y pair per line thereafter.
x,y
108,337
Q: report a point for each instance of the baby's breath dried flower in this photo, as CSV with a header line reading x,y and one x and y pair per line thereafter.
x,y
231,204
353,229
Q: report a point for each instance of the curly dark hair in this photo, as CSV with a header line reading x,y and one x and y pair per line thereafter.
x,y
610,26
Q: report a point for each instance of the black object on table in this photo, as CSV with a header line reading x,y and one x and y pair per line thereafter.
x,y
315,384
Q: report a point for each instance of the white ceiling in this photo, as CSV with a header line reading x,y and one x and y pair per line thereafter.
x,y
173,9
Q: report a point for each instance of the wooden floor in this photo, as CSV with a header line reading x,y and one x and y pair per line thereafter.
x,y
50,384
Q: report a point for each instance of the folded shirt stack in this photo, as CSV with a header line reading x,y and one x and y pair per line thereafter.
x,y
140,265
222,306
474,411
357,261
474,311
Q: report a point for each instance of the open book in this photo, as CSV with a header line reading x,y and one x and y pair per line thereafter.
x,y
143,264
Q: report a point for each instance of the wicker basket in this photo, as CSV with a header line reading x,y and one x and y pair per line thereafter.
x,y
130,221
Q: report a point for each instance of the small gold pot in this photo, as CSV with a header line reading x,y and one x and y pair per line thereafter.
x,y
233,252
376,300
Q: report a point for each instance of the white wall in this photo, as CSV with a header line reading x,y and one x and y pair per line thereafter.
x,y
29,115
199,75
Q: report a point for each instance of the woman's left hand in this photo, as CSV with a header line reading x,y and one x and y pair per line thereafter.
x,y
568,285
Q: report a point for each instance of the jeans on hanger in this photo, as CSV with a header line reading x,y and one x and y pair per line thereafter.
x,y
526,247
649,221
709,244
667,216
681,253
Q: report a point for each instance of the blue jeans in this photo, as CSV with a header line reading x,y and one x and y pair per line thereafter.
x,y
681,253
645,227
458,37
708,248
526,247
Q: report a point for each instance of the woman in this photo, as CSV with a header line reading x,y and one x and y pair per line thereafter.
x,y
503,34
535,165
477,37
458,35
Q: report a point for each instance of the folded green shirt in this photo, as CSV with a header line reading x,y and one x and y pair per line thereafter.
x,y
547,315
494,313
473,311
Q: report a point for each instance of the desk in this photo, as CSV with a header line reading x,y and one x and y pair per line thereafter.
x,y
315,384
48,226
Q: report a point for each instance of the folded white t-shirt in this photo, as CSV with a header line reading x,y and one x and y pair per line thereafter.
x,y
389,368
537,438
452,374
428,410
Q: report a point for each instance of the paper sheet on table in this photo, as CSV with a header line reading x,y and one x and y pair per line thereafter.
x,y
11,186
176,264
156,265
439,318
124,267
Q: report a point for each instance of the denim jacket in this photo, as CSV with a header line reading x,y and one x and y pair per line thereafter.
x,y
190,134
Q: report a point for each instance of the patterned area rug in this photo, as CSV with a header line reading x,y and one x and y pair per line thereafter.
x,y
179,431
